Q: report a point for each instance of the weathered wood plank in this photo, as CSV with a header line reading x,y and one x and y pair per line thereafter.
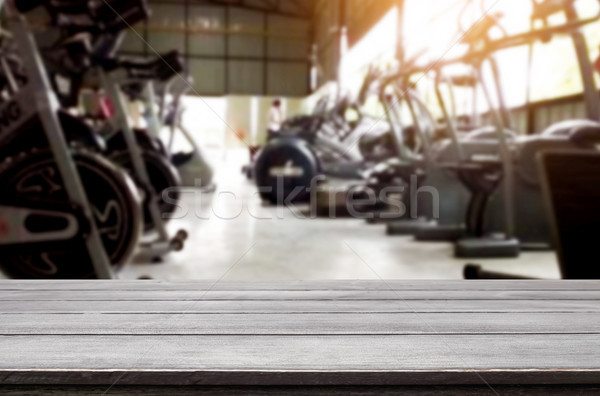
x,y
298,353
296,295
323,306
299,324
472,390
300,333
365,380
83,285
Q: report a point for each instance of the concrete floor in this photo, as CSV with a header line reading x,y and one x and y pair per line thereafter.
x,y
233,236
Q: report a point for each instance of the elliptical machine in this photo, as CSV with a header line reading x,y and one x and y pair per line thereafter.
x,y
523,198
484,172
194,169
322,144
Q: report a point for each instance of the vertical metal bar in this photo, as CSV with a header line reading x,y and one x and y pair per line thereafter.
x,y
227,37
136,153
400,55
505,157
154,124
311,61
449,121
410,97
590,92
531,119
186,23
145,34
48,106
266,54
504,113
392,112
188,39
476,121
341,35
174,120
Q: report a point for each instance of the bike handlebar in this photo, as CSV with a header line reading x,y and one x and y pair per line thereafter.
x,y
28,5
493,45
110,16
118,15
542,10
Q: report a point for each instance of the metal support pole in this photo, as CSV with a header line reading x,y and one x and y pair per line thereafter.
x,y
391,111
341,41
48,106
505,157
136,154
590,92
154,124
400,55
504,113
449,121
410,99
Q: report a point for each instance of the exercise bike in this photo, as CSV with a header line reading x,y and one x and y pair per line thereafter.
x,y
65,212
138,151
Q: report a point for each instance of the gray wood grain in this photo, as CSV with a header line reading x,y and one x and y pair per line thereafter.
x,y
86,285
298,324
299,333
299,353
306,306
472,390
297,295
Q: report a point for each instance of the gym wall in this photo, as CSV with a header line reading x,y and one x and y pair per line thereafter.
x,y
231,50
359,16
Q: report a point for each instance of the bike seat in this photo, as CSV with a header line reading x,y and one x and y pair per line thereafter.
x,y
87,16
489,133
567,128
70,56
164,67
585,135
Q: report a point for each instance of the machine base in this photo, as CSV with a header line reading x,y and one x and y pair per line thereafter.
x,y
473,271
344,201
407,227
384,217
248,171
433,232
331,201
488,247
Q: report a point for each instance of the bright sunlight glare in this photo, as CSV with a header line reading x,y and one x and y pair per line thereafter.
x,y
433,30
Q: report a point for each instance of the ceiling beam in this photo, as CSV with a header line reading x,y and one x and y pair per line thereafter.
x,y
268,6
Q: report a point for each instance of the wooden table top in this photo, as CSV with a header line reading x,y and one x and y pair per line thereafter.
x,y
346,333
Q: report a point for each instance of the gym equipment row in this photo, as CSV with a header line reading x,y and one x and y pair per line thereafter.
x,y
81,190
486,175
500,172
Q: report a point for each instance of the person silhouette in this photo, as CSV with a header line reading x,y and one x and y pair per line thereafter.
x,y
275,119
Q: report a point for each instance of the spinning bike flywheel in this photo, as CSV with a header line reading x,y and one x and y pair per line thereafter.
x,y
33,180
164,178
